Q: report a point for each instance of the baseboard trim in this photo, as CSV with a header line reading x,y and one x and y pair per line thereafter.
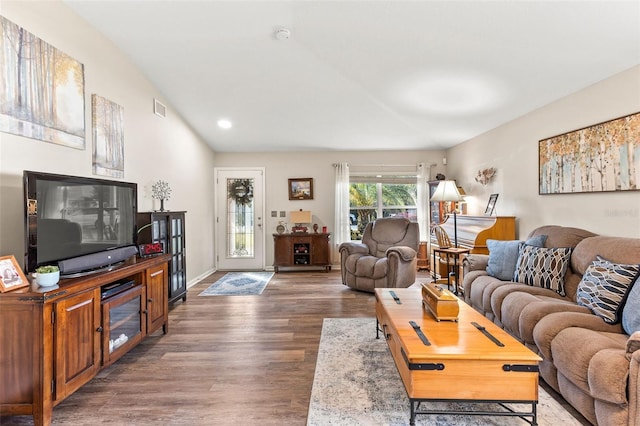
x,y
197,279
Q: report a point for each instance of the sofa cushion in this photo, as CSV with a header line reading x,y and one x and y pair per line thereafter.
x,y
543,267
503,255
367,266
604,287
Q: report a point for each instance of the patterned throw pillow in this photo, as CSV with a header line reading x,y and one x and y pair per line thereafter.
x,y
543,267
604,287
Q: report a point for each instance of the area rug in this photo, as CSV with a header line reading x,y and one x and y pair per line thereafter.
x,y
239,284
357,383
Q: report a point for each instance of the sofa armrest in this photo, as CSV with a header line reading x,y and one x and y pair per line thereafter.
x,y
634,382
633,344
607,375
353,248
475,262
549,326
404,253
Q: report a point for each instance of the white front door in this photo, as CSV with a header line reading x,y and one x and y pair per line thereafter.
x,y
239,219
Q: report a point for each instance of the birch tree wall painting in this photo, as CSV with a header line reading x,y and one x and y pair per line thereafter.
x,y
108,137
41,89
600,158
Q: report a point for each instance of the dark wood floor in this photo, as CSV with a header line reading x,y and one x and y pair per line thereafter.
x,y
227,360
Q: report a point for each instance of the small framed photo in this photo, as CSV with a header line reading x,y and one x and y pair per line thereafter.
x,y
491,204
301,189
11,276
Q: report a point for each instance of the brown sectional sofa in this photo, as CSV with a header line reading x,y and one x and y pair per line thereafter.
x,y
593,364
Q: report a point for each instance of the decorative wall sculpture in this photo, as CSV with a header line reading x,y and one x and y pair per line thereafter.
x,y
41,89
484,176
599,158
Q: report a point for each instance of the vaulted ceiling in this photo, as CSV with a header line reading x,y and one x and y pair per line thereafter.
x,y
365,75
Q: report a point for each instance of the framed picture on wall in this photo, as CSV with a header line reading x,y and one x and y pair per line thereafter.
x,y
491,205
599,158
11,276
301,189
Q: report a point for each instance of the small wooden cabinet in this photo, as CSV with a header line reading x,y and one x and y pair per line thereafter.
x,y
167,228
157,299
55,340
302,249
77,335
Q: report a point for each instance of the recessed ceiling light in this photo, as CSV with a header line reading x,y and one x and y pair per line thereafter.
x,y
224,123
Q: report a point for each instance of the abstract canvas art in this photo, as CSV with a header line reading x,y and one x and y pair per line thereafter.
x,y
41,89
107,119
600,158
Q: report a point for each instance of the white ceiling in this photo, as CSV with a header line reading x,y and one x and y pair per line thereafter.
x,y
365,75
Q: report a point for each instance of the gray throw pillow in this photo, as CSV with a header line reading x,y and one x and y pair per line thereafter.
x,y
631,310
503,255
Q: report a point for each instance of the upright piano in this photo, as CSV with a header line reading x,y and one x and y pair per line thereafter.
x,y
473,231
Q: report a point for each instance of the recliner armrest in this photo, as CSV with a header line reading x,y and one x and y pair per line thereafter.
x,y
354,248
405,253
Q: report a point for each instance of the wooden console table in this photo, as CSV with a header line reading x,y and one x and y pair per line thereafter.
x,y
54,340
302,249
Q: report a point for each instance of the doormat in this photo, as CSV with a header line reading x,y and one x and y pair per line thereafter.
x,y
357,383
239,284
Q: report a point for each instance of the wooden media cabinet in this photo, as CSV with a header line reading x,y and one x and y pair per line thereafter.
x,y
56,339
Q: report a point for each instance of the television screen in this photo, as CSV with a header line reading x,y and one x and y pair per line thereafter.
x,y
69,216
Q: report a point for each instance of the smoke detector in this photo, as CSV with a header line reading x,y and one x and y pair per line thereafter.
x,y
282,34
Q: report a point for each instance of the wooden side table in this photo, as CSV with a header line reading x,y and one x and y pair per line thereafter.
x,y
423,256
450,254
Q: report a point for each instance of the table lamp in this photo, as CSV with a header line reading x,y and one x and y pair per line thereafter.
x,y
447,190
299,217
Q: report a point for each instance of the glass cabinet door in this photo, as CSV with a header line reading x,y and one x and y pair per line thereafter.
x,y
178,279
123,322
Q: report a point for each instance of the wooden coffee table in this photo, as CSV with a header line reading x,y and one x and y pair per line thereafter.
x,y
471,360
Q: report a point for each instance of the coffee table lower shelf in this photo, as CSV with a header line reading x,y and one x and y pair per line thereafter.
x,y
524,415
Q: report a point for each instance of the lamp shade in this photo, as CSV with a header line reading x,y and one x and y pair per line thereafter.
x,y
447,190
301,216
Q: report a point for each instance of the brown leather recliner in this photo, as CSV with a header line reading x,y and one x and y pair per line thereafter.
x,y
385,258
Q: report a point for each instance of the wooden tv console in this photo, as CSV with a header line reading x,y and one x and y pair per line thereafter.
x,y
55,340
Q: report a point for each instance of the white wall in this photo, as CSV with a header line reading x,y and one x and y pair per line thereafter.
x,y
513,150
279,167
168,149
155,148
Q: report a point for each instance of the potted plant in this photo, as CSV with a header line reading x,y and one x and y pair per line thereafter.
x,y
47,276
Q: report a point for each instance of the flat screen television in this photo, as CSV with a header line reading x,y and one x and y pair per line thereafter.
x,y
73,217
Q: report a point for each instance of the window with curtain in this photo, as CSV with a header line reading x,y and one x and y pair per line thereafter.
x,y
381,191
